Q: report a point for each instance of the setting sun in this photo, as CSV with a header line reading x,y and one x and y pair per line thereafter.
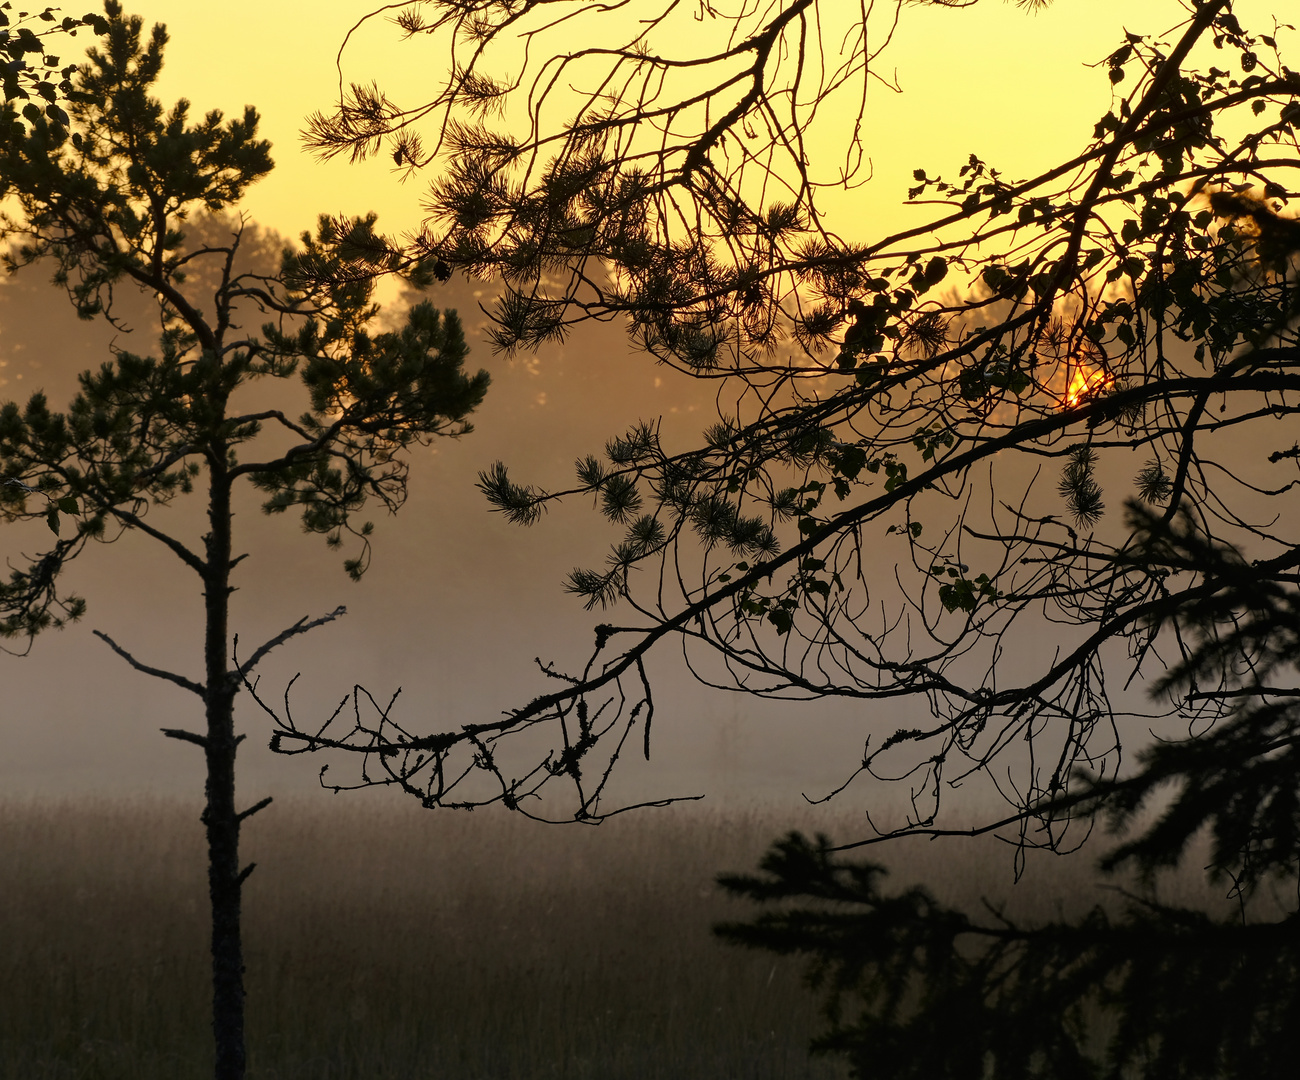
x,y
1084,383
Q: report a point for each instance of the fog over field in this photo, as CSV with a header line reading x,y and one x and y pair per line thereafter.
x,y
455,607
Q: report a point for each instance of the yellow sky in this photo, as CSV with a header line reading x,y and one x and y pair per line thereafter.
x,y
990,79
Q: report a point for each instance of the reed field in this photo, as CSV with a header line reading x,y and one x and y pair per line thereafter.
x,y
388,942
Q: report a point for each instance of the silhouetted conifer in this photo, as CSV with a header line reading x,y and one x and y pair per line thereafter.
x,y
105,199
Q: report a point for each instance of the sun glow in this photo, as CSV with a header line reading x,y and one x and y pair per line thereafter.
x,y
1086,382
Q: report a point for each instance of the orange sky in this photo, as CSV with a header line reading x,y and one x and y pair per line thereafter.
x,y
458,603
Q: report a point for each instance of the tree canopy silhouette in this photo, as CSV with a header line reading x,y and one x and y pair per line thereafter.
x,y
957,402
673,150
106,200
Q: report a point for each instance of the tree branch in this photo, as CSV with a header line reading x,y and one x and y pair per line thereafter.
x,y
292,454
300,627
157,673
262,805
183,553
185,736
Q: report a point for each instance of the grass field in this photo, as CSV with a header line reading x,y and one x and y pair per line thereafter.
x,y
392,943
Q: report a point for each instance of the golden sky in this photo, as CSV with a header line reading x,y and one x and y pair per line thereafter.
x,y
1009,85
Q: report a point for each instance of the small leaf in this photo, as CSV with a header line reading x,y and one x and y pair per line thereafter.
x,y
68,504
959,595
781,619
52,519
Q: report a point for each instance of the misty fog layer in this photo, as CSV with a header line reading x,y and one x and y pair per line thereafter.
x,y
454,610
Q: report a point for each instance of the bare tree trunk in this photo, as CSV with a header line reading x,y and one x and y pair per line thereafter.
x,y
225,879
224,888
